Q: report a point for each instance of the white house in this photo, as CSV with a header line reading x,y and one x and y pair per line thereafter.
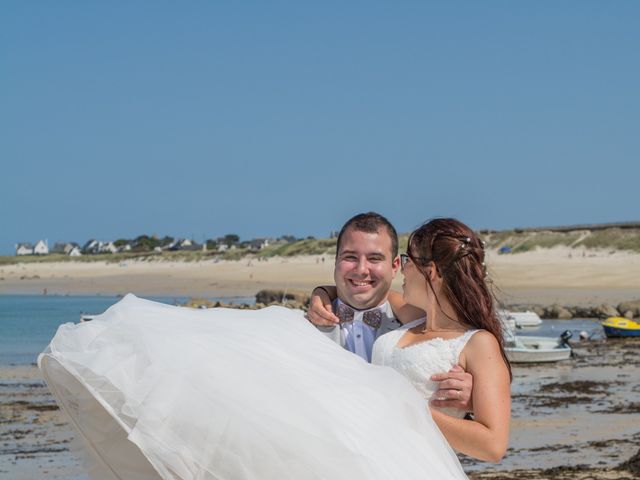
x,y
41,248
75,251
95,246
91,246
183,244
107,247
260,243
62,247
24,249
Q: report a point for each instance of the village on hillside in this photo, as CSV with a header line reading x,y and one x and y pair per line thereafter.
x,y
145,243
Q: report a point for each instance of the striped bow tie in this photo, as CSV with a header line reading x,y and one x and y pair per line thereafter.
x,y
373,318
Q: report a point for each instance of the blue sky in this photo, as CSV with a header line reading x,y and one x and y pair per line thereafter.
x,y
267,118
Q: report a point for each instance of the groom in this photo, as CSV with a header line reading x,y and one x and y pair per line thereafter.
x,y
361,306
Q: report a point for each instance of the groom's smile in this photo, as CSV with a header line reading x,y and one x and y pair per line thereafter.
x,y
364,268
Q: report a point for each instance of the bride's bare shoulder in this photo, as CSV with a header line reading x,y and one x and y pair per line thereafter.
x,y
483,346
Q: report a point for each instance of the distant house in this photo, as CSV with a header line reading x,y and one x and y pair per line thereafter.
x,y
260,243
24,249
41,248
65,248
92,246
125,248
183,244
107,247
75,251
58,247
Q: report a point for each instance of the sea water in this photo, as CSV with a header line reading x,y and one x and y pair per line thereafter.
x,y
28,322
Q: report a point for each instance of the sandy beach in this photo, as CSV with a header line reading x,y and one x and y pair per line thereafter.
x,y
558,275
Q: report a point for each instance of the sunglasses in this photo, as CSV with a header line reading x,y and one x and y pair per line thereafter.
x,y
405,257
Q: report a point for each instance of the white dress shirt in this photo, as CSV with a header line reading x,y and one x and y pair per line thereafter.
x,y
358,336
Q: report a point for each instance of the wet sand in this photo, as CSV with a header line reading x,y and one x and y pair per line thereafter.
x,y
35,438
576,419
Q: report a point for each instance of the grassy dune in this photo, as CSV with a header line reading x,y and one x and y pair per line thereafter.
x,y
611,238
523,241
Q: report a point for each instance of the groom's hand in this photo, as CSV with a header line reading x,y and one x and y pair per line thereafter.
x,y
320,310
454,389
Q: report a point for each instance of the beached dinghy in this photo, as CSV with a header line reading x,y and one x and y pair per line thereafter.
x,y
621,327
524,349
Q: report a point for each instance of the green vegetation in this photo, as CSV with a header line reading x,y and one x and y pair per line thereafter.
x,y
308,246
524,241
615,239
517,240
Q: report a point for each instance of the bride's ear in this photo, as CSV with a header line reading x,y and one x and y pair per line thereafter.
x,y
434,272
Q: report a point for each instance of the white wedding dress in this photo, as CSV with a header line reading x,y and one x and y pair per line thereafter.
x,y
157,391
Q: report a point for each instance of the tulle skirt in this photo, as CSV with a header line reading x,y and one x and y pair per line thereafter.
x,y
157,391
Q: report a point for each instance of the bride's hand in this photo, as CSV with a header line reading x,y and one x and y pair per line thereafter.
x,y
454,389
320,309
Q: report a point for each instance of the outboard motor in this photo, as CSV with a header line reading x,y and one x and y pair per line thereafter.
x,y
564,338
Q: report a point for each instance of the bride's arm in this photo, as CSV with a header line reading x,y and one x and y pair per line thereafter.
x,y
487,436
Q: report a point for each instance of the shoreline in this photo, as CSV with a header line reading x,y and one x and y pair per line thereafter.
x,y
552,276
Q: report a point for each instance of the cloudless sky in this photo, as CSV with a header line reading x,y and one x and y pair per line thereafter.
x,y
204,118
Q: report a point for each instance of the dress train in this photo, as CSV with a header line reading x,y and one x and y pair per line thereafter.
x,y
158,391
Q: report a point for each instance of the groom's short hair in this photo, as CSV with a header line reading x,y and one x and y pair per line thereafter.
x,y
370,222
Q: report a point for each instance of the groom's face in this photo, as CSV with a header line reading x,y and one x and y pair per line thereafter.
x,y
365,267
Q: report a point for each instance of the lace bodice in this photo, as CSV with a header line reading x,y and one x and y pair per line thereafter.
x,y
419,361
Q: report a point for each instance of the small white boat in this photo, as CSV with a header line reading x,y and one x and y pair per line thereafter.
x,y
537,349
522,319
525,349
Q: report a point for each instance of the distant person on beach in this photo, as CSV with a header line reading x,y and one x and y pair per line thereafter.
x,y
362,306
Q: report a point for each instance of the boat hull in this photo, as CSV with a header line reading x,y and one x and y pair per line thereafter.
x,y
620,332
517,355
621,327
537,350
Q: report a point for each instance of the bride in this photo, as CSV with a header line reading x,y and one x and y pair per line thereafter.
x,y
157,391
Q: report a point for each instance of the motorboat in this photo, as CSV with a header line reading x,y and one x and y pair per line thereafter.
x,y
522,319
526,349
621,327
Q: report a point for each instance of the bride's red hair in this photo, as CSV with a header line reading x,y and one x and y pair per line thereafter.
x,y
458,254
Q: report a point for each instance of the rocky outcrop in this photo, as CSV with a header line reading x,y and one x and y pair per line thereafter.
x,y
557,311
629,310
605,311
633,307
283,297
